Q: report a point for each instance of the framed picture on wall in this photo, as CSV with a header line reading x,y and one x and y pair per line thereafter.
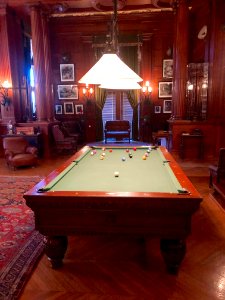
x,y
68,108
167,68
68,91
157,109
67,72
79,109
58,109
167,106
165,89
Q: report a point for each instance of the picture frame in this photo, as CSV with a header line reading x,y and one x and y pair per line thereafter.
x,y
69,108
68,91
67,72
165,89
79,109
58,109
167,106
157,109
168,68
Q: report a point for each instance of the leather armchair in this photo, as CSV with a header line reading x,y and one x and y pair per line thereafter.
x,y
217,171
18,152
63,142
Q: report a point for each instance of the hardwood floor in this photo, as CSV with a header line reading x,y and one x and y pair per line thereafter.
x,y
116,268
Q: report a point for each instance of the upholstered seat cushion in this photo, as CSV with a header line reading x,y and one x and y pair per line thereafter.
x,y
23,160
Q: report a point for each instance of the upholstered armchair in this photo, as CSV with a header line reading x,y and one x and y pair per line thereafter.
x,y
218,170
18,153
63,142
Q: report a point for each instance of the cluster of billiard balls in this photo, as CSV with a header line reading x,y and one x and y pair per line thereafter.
x,y
116,173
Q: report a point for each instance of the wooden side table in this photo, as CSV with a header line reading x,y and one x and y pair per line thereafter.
x,y
157,136
187,139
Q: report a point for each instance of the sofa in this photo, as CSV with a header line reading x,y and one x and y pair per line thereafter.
x,y
118,129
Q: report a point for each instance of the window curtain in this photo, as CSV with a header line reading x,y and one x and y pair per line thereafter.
x,y
100,96
129,55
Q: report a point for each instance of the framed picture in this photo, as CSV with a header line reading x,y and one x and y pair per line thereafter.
x,y
79,109
68,91
167,106
168,68
58,109
68,108
165,89
67,72
157,109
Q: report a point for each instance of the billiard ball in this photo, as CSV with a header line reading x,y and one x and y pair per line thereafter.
x,y
103,153
110,150
130,155
144,157
134,148
116,174
127,150
148,150
92,153
101,157
103,149
123,158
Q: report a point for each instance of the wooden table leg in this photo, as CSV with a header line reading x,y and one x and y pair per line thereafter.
x,y
55,249
173,252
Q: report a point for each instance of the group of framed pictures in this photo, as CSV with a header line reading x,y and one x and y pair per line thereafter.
x,y
165,88
67,91
69,108
167,107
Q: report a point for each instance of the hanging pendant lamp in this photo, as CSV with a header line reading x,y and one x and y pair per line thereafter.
x,y
110,72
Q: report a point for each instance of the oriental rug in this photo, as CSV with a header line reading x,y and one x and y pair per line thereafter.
x,y
20,245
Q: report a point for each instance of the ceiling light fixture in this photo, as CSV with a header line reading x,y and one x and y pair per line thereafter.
x,y
110,72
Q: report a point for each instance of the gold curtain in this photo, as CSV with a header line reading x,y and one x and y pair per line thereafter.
x,y
129,55
100,96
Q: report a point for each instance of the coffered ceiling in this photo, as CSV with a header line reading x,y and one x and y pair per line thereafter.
x,y
72,6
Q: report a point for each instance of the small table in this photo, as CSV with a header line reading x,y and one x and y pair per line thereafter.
x,y
151,197
160,135
187,138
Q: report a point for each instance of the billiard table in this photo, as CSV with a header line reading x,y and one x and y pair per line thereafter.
x,y
150,196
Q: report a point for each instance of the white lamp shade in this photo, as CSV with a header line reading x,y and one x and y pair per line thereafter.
x,y
109,68
121,84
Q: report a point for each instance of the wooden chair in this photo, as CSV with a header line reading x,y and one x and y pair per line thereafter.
x,y
18,152
63,142
217,171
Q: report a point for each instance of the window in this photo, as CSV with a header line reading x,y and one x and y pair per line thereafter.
x,y
32,86
117,107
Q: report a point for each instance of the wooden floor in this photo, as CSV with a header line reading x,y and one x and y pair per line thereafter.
x,y
105,268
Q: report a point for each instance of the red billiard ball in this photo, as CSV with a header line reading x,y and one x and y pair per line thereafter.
x,y
134,148
127,150
110,150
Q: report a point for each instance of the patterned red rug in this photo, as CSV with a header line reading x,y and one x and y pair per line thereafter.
x,y
20,245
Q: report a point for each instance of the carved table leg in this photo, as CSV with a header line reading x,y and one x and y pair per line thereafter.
x,y
55,249
173,252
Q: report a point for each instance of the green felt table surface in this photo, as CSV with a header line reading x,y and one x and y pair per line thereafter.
x,y
90,173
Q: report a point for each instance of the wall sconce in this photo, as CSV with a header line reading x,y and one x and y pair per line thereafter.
x,y
4,92
88,93
146,90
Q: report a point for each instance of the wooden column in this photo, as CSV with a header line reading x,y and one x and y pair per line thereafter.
x,y
216,91
7,112
180,57
48,72
39,63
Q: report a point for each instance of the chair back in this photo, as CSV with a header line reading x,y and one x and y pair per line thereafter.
x,y
57,133
221,162
16,145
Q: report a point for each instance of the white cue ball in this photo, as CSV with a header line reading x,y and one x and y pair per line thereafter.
x,y
116,174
